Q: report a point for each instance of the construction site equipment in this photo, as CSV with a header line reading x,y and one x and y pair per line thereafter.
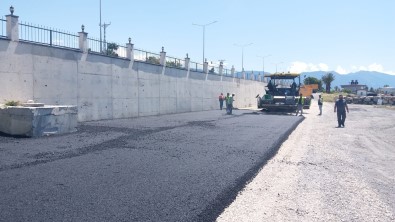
x,y
282,93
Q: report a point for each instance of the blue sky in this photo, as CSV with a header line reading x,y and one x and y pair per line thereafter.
x,y
300,35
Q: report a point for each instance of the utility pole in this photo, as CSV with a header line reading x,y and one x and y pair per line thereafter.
x,y
104,28
204,32
100,25
263,62
242,54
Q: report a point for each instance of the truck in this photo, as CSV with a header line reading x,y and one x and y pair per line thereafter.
x,y
282,93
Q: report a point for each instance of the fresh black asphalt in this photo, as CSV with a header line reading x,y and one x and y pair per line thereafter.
x,y
181,167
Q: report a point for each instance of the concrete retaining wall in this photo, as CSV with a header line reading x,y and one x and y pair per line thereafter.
x,y
106,88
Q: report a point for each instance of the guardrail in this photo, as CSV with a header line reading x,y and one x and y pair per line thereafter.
x,y
57,38
175,63
46,36
145,56
197,67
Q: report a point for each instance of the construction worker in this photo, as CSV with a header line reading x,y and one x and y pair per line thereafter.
x,y
228,103
300,105
320,103
221,99
341,107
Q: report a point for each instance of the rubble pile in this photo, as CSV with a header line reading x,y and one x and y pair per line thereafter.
x,y
371,100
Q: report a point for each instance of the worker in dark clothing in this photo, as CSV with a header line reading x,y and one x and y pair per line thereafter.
x,y
341,107
300,105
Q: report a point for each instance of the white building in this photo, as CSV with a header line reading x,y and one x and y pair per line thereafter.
x,y
387,90
361,92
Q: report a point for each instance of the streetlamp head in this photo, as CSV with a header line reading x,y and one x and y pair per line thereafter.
x,y
12,10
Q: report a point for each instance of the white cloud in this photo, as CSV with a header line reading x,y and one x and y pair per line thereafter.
x,y
340,70
375,67
299,67
323,67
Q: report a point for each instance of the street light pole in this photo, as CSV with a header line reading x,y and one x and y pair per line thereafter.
x,y
204,33
263,62
277,64
242,53
101,49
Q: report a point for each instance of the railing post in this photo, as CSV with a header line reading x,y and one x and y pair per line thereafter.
x,y
163,57
221,68
205,66
12,26
187,61
232,72
50,37
129,50
83,40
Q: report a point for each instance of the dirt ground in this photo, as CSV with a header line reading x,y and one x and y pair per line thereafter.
x,y
324,173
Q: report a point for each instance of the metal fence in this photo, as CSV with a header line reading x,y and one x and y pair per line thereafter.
x,y
197,67
52,37
122,51
3,26
145,56
93,45
226,72
47,36
175,63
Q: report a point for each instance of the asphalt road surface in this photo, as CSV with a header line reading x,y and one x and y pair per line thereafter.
x,y
183,167
324,173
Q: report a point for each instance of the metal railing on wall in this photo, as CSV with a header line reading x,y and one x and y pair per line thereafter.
x,y
197,67
145,56
93,45
47,36
3,26
57,38
175,63
226,72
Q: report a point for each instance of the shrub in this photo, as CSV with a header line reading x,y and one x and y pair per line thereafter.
x,y
12,103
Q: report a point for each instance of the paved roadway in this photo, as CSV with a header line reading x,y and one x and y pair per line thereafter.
x,y
183,167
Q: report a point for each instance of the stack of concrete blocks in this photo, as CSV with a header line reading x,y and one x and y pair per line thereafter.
x,y
32,121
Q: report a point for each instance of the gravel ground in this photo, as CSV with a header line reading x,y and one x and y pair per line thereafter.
x,y
323,173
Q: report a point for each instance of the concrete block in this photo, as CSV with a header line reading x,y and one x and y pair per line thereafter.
x,y
38,121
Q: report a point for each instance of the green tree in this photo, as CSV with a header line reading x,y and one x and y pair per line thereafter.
x,y
111,49
312,80
371,89
386,85
173,64
153,60
328,79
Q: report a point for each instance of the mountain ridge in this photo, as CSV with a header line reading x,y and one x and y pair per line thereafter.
x,y
370,78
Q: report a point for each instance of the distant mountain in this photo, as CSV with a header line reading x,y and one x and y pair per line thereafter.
x,y
371,79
